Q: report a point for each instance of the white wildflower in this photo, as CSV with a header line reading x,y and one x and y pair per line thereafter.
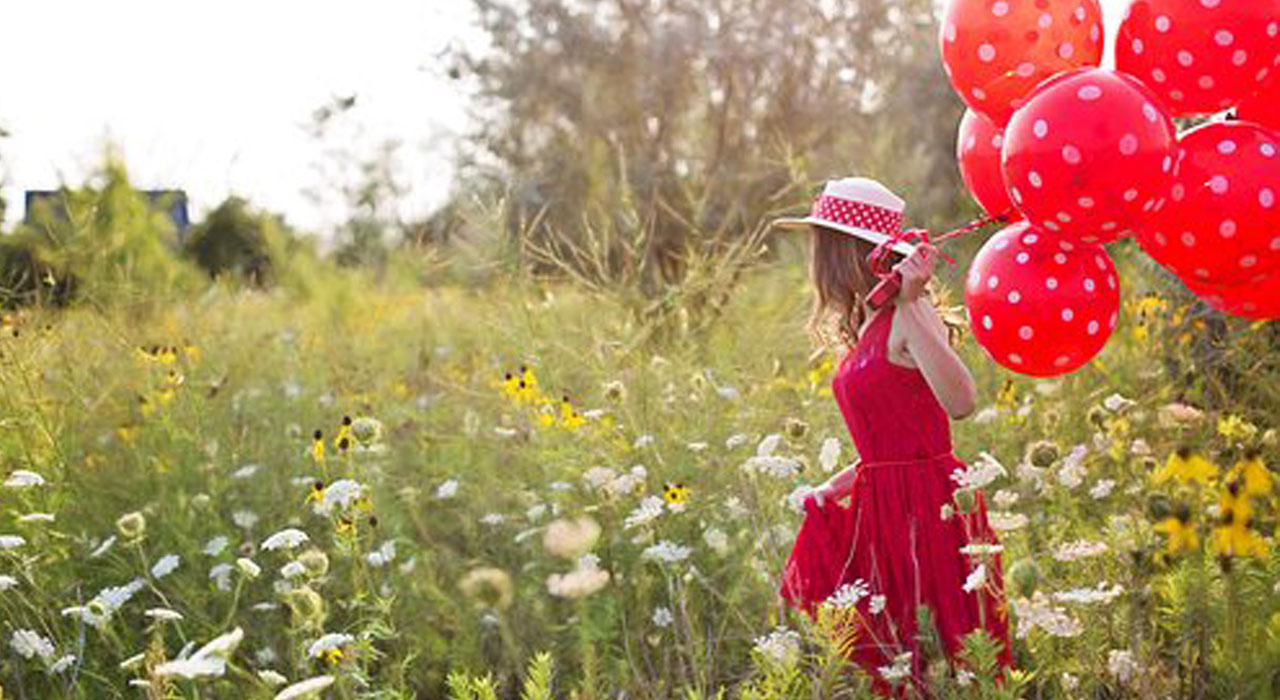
x,y
36,518
697,446
649,509
986,415
1117,403
245,472
981,473
586,579
1004,521
29,644
62,664
848,595
103,548
220,574
133,661
981,549
781,646
333,641
163,614
535,512
777,467
736,440
447,490
23,479
8,542
1073,472
293,569
599,477
1005,499
768,445
900,670
192,667
1039,612
215,546
662,617
166,565
642,442
493,519
287,538
248,568
716,540
7,582
667,552
222,646
383,555
829,455
1069,682
244,519
1079,549
1121,665
271,678
976,579
302,689
1102,489
877,604
1090,596
340,494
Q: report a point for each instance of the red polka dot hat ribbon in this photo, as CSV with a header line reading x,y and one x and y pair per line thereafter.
x,y
857,215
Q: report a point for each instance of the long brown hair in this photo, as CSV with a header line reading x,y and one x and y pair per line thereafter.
x,y
842,278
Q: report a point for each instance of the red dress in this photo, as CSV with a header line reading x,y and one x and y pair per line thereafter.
x,y
892,535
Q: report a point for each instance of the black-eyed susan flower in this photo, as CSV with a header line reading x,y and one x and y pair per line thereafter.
x,y
342,440
317,447
1180,531
675,494
1233,536
316,495
1185,466
344,526
127,433
1233,427
1253,474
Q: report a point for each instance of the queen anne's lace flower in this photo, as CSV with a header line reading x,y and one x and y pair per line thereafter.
x,y
781,646
166,565
287,538
29,644
667,552
23,479
305,688
649,509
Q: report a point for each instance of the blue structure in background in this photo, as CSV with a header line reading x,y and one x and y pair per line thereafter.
x,y
172,202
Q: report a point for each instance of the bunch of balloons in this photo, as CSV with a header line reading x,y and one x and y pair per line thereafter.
x,y
1078,156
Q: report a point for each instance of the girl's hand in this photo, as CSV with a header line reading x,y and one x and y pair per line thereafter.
x,y
916,271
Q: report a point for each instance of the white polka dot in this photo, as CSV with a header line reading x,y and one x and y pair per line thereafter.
x,y
1000,9
1066,51
993,282
1202,273
1227,228
1080,14
1068,315
1045,21
1112,321
1002,243
1219,184
1023,258
1223,37
1275,244
986,322
1158,75
1210,3
1205,82
1178,192
1060,259
1026,70
1129,144
1102,264
1026,332
1071,154
1248,261
1163,24
986,53
1066,245
1266,198
951,31
1130,194
1150,112
1062,361
1167,164
1089,284
1239,57
1052,282
1014,297
1017,194
1273,29
978,93
1040,128
1093,328
1176,95
1052,226
1188,239
1034,178
1064,217
1226,148
1015,359
1030,239
1137,46
1089,93
1267,150
1085,202
1111,281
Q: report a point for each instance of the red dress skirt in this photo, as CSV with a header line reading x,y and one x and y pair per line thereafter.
x,y
892,536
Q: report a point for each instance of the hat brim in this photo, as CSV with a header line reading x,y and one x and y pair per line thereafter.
x,y
875,237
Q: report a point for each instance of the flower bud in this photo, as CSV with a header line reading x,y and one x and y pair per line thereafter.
x,y
249,569
1043,454
315,562
132,525
965,500
1025,576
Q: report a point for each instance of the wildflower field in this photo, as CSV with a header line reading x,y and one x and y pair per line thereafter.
x,y
516,491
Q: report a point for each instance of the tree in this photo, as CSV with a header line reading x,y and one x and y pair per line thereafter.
x,y
631,137
235,240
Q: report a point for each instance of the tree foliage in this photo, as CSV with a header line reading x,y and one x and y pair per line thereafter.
x,y
632,134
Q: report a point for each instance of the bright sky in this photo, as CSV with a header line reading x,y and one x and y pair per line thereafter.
x,y
213,97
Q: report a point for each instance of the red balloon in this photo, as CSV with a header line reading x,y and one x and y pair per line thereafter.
x,y
1264,107
978,151
1257,301
996,51
1222,221
1090,155
1040,305
1200,56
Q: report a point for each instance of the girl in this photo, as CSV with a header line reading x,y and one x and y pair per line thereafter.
x,y
897,545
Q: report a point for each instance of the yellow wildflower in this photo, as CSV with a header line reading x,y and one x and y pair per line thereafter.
x,y
127,433
342,440
333,656
1233,427
317,492
1186,466
1253,474
1007,398
569,418
317,447
1180,530
675,494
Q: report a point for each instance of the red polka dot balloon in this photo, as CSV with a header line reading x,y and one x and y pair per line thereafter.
x,y
1040,305
1264,107
1222,221
978,151
1200,56
1258,301
996,51
1090,155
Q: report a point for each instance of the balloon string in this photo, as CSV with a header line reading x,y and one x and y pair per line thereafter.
x,y
879,257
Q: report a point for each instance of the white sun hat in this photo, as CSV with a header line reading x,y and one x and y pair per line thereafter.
x,y
859,207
